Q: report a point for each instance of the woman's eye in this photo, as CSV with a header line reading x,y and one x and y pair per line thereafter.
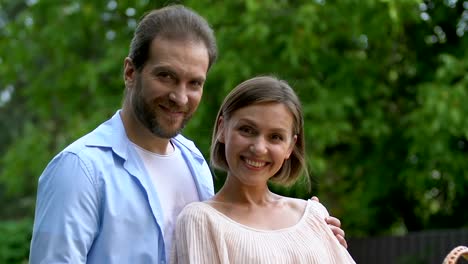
x,y
277,137
246,130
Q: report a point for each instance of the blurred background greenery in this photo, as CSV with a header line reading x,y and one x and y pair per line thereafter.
x,y
384,84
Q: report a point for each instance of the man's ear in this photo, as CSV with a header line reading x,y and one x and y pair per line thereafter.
x,y
220,125
129,71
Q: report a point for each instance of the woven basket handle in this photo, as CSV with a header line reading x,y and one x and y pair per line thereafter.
x,y
456,254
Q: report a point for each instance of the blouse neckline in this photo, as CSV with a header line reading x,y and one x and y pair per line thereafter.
x,y
246,227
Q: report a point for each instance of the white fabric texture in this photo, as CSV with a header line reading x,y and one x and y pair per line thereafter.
x,y
205,235
174,186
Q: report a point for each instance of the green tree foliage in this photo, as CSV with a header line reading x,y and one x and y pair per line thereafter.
x,y
384,86
14,241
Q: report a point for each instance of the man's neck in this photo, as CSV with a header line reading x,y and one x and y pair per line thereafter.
x,y
141,136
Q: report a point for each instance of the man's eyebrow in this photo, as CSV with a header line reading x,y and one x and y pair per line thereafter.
x,y
199,79
157,68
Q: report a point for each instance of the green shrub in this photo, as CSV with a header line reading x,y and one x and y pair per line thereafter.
x,y
15,237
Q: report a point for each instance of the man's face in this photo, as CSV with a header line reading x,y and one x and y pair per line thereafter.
x,y
169,88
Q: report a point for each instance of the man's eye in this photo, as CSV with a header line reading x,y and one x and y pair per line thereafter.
x,y
197,84
163,74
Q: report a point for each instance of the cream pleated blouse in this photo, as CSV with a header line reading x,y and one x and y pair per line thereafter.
x,y
205,235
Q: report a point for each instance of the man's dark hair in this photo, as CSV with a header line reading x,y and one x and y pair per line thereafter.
x,y
174,22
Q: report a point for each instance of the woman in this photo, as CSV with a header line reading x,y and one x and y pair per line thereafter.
x,y
258,137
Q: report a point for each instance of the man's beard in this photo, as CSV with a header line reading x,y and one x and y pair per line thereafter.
x,y
146,114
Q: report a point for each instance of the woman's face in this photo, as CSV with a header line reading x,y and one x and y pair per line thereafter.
x,y
258,138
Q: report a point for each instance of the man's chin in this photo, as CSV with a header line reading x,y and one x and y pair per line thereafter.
x,y
165,129
166,133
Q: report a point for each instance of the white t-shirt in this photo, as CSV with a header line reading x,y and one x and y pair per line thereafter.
x,y
174,185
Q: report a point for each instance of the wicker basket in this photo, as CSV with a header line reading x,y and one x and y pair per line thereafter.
x,y
456,254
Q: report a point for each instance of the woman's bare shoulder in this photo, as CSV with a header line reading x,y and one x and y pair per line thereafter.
x,y
295,204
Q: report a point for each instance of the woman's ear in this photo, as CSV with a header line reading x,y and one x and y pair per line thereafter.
x,y
220,125
291,147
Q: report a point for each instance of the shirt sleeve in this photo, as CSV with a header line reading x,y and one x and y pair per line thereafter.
x,y
67,212
194,238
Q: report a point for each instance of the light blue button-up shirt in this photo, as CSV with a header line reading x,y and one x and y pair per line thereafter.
x,y
96,203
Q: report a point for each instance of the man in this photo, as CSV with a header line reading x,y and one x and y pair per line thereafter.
x,y
113,195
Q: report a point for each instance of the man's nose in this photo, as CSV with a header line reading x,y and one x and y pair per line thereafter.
x,y
179,95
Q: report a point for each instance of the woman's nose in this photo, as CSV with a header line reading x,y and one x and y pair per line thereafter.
x,y
258,147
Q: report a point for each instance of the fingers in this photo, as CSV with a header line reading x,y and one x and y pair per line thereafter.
x,y
335,226
340,235
342,241
333,221
337,231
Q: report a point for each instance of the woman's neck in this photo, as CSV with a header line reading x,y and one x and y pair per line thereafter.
x,y
234,192
257,206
